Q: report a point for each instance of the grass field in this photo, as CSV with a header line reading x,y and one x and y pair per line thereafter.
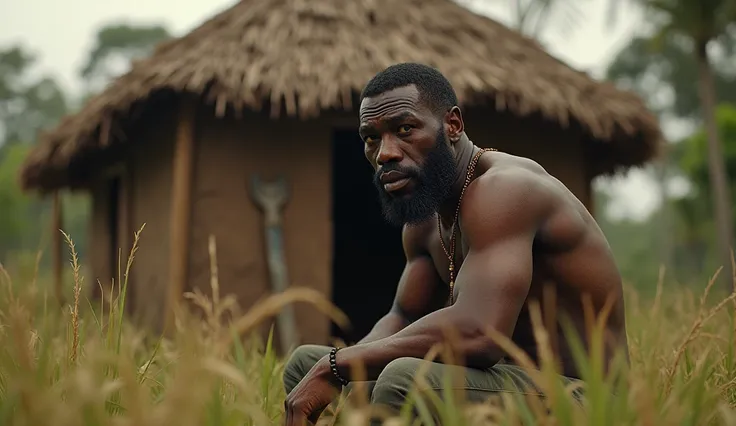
x,y
83,365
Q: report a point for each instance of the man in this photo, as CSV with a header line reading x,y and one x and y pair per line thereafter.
x,y
488,243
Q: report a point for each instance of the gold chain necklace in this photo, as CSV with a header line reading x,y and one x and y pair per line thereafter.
x,y
451,254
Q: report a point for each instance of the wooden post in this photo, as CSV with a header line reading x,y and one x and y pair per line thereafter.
x,y
57,241
181,207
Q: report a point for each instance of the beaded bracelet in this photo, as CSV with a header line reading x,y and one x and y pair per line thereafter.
x,y
333,366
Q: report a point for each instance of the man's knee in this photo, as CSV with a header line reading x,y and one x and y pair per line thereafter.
x,y
300,362
395,382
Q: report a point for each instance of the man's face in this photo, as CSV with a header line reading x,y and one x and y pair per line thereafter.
x,y
408,148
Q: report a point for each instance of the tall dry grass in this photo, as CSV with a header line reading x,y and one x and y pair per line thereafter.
x,y
84,365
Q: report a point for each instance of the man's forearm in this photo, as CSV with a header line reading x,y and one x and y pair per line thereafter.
x,y
417,339
388,325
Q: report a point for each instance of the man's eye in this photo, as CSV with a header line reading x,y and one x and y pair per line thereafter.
x,y
370,139
405,128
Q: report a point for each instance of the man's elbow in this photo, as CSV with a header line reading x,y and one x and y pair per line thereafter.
x,y
478,349
482,353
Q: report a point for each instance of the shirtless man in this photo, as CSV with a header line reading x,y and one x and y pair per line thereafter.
x,y
518,231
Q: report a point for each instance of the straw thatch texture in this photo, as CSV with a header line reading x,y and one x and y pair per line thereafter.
x,y
305,56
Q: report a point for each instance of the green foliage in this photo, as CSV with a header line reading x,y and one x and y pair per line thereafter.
x,y
16,230
692,153
700,20
664,73
636,244
662,65
695,227
25,219
26,105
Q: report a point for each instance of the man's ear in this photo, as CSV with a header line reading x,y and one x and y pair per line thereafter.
x,y
454,124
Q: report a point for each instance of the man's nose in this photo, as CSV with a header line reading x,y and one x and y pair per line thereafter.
x,y
390,151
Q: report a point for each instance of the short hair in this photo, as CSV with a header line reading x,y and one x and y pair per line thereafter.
x,y
434,89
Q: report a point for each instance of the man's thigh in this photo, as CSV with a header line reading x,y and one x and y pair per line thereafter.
x,y
473,385
303,359
479,386
300,362
465,385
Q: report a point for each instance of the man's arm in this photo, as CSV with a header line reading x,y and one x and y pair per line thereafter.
x,y
419,292
500,216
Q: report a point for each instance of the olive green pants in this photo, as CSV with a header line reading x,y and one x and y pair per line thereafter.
x,y
397,379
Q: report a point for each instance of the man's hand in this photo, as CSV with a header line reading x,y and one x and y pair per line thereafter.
x,y
311,396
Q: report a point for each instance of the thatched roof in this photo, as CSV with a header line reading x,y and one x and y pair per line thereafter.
x,y
306,56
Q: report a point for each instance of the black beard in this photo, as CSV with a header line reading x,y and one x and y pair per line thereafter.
x,y
433,184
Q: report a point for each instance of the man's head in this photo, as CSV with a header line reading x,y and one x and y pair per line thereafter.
x,y
409,122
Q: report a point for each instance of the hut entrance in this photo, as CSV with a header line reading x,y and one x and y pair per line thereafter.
x,y
368,258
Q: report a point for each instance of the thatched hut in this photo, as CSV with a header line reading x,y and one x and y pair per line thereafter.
x,y
270,87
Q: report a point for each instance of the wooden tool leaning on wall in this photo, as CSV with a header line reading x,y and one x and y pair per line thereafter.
x,y
271,197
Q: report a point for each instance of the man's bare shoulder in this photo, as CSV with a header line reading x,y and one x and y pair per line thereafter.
x,y
510,194
415,238
510,169
515,196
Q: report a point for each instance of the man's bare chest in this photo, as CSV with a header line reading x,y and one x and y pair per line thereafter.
x,y
441,254
441,260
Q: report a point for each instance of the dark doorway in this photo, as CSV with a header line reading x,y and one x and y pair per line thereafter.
x,y
367,254
109,196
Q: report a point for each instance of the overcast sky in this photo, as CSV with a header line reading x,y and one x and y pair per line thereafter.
x,y
61,33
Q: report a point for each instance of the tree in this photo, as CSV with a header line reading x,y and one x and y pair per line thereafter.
x,y
693,161
117,45
662,71
532,17
695,228
702,23
29,105
26,105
